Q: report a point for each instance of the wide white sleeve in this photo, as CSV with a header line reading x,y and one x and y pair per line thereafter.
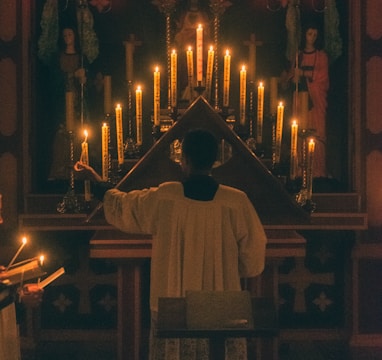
x,y
132,211
252,241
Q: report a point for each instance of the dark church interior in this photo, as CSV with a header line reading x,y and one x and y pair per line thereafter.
x,y
118,101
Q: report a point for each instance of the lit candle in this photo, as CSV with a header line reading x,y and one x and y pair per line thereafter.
x,y
105,151
260,112
293,150
210,64
190,69
138,114
199,53
174,71
107,94
273,93
69,102
279,131
85,159
119,131
156,96
243,91
23,243
226,78
311,147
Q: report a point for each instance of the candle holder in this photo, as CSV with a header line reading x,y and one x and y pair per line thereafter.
x,y
199,88
304,196
69,203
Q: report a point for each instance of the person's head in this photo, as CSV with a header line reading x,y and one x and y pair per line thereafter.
x,y
199,151
68,38
311,36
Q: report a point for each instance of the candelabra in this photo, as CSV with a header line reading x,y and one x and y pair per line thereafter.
x,y
304,197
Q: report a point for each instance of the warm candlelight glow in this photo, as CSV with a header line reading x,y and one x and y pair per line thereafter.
x,y
199,53
174,73
293,150
260,112
210,65
311,147
42,258
119,130
279,131
243,92
226,78
85,159
190,70
105,151
138,114
156,96
23,243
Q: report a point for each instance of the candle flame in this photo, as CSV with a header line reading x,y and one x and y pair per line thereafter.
x,y
42,258
211,48
280,103
173,51
261,84
156,69
294,123
200,26
104,124
243,68
139,88
227,52
189,48
24,240
118,106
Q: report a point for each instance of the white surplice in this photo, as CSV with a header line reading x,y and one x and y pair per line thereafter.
x,y
9,337
197,245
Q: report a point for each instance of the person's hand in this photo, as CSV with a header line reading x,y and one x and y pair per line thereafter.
x,y
86,172
31,295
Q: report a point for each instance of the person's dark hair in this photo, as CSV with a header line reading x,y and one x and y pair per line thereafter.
x,y
312,25
200,148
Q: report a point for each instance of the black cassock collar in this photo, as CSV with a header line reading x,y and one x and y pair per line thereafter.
x,y
200,187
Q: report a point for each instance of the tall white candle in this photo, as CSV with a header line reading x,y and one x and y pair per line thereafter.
x,y
119,131
156,97
199,53
279,131
138,114
311,148
293,150
209,72
243,93
260,113
85,160
174,73
226,78
105,151
190,69
23,243
107,94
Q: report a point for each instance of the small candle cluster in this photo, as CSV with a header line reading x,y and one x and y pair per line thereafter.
x,y
17,273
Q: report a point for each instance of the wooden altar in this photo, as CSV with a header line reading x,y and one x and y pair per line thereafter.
x,y
278,211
